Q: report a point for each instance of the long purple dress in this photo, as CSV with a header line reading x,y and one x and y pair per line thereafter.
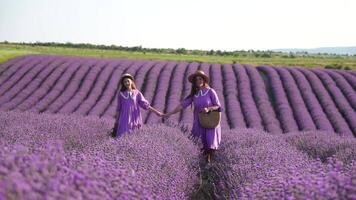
x,y
206,97
128,107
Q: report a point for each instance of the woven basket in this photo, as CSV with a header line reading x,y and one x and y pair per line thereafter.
x,y
210,119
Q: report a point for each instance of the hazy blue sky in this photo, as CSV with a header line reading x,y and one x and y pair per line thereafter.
x,y
190,24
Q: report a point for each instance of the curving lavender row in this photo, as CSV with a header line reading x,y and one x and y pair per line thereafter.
x,y
316,111
342,103
283,108
235,113
261,98
300,110
248,105
69,156
175,89
159,99
276,99
345,87
328,105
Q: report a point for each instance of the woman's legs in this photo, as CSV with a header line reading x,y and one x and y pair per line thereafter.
x,y
210,154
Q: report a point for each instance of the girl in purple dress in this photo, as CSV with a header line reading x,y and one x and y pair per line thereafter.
x,y
204,99
129,100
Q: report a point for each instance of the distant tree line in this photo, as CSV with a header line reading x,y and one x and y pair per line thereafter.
x,y
183,51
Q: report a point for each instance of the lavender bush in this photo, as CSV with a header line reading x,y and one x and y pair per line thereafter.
x,y
252,164
56,152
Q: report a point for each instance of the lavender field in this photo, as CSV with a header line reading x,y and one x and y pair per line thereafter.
x,y
274,99
288,132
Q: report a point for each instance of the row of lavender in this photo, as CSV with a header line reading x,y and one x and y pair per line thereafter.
x,y
275,99
73,157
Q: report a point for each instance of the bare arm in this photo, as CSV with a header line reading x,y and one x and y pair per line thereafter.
x,y
152,109
211,108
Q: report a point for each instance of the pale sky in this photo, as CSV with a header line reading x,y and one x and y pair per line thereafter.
x,y
191,24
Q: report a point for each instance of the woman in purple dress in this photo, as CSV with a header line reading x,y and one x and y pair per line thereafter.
x,y
129,100
204,99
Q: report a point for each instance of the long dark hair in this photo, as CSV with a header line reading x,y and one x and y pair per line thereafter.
x,y
122,86
195,88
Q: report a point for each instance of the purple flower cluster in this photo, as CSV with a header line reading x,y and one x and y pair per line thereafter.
x,y
252,164
68,156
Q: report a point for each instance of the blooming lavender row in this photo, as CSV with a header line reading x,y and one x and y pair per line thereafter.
x,y
29,83
83,89
336,119
283,108
20,72
248,105
157,162
349,78
265,108
256,165
98,100
345,87
341,102
9,69
97,88
65,88
322,145
150,85
175,90
301,114
5,66
160,95
234,113
316,111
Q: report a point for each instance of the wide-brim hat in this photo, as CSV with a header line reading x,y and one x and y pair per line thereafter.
x,y
198,73
127,75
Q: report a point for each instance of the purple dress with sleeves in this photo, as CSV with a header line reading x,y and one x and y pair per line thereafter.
x,y
128,108
206,97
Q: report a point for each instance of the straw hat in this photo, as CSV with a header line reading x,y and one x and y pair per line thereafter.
x,y
127,75
198,73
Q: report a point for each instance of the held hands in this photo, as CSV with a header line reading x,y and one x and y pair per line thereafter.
x,y
166,115
205,110
159,114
